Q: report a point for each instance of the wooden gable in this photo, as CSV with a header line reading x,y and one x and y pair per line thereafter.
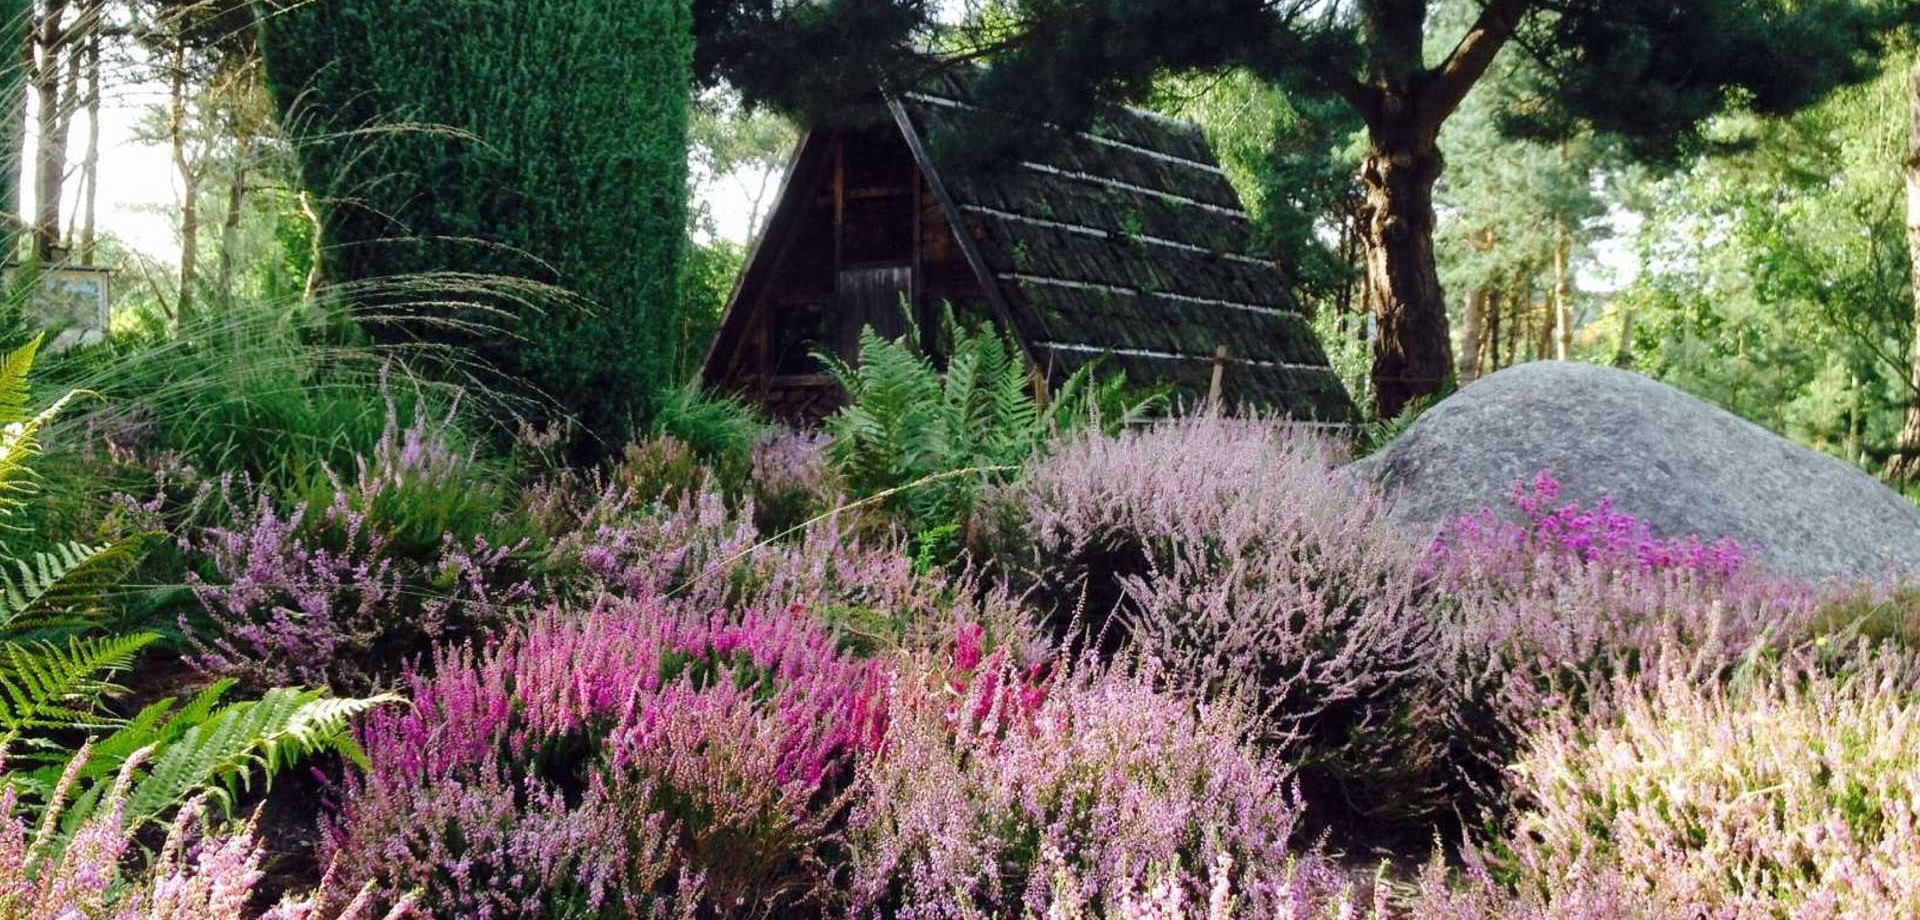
x,y
1123,245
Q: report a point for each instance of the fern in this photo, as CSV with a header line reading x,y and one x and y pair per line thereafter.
x,y
14,394
222,753
45,687
213,748
914,431
19,443
62,589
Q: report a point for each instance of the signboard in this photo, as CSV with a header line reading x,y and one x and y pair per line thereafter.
x,y
73,306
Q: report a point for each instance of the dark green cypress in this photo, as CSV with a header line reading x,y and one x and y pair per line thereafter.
x,y
535,139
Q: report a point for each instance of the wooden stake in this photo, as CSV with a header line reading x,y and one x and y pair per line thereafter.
x,y
1219,377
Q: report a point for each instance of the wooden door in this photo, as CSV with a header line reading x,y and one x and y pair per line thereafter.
x,y
872,296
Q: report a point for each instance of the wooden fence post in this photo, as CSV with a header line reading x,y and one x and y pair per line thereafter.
x,y
1219,378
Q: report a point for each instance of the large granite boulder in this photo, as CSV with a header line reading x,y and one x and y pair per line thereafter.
x,y
1683,465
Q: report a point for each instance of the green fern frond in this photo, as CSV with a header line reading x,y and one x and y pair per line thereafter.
x,y
19,443
64,588
13,382
221,753
44,687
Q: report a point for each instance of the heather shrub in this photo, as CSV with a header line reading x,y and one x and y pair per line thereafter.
x,y
1790,791
634,759
1558,599
792,481
418,487
1231,552
1007,791
704,553
343,589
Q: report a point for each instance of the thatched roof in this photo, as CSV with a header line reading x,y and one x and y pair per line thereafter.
x,y
1123,244
1126,242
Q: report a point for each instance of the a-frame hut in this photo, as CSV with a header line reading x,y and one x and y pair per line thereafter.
x,y
1123,244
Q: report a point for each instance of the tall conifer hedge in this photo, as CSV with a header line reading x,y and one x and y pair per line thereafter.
x,y
538,139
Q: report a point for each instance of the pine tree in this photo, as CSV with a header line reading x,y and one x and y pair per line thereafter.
x,y
1648,71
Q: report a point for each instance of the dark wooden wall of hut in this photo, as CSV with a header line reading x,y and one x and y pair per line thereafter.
x,y
857,232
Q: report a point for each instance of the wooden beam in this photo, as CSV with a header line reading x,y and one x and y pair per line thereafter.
x,y
916,287
768,251
962,236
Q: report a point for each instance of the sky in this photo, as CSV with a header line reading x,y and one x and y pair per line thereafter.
x,y
137,180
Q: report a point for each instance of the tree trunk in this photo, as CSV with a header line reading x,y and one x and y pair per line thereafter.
x,y
1470,337
1412,351
1623,355
1494,304
1544,314
17,30
90,167
1517,305
1904,467
190,189
236,200
50,160
1562,292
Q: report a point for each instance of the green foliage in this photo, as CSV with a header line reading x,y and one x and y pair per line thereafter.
x,y
706,283
275,392
204,747
504,139
47,688
925,442
1775,280
720,430
1373,434
62,589
52,692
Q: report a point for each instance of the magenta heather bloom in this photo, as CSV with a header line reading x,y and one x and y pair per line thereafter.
x,y
1573,596
1571,532
632,759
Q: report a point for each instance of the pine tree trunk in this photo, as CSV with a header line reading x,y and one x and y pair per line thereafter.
x,y
1623,354
1562,292
16,26
1495,301
236,201
1412,352
189,191
90,167
50,160
1905,465
1470,337
1548,326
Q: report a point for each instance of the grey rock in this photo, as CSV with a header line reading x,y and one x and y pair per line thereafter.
x,y
1681,464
